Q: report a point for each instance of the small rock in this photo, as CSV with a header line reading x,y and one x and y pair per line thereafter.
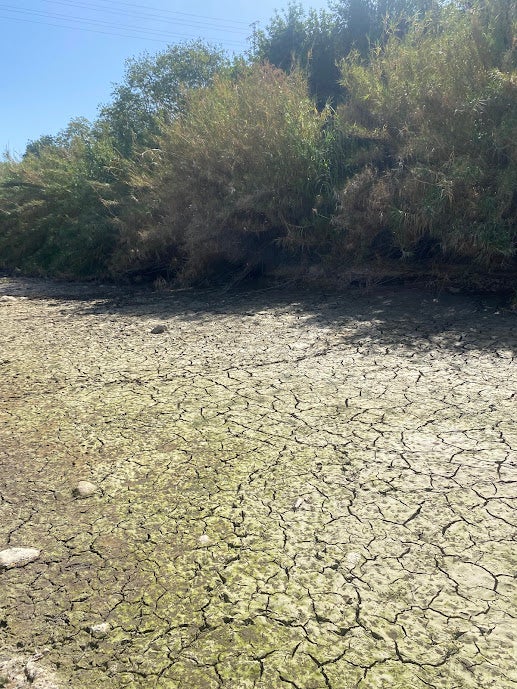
x,y
7,298
31,670
298,503
352,559
204,539
99,631
85,489
159,329
18,557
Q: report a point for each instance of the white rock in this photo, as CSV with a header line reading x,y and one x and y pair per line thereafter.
x,y
100,630
17,557
31,670
85,489
352,559
204,539
298,503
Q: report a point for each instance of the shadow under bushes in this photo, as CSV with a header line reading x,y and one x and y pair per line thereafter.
x,y
383,315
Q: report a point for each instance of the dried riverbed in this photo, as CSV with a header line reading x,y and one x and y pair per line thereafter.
x,y
294,490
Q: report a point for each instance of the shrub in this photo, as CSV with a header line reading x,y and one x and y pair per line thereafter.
x,y
242,168
153,91
58,206
436,113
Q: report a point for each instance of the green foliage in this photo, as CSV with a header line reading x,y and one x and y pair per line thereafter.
x,y
77,196
242,168
294,40
154,89
58,206
317,41
436,113
202,166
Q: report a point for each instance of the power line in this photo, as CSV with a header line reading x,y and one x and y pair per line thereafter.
x,y
107,24
108,33
156,12
226,25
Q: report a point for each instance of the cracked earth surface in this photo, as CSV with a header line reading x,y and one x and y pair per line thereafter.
x,y
295,490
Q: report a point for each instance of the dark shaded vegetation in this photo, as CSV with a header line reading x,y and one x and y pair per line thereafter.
x,y
376,138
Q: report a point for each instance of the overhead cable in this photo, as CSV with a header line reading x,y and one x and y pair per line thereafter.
x,y
114,33
148,11
88,20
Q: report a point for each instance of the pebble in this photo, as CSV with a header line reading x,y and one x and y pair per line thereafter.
x,y
159,329
352,559
100,630
204,539
85,489
31,671
17,557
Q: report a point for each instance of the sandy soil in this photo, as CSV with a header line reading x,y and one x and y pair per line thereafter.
x,y
292,489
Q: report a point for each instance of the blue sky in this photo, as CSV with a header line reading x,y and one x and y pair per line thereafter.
x,y
60,58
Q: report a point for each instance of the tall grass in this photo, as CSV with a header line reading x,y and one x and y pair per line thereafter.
x,y
58,208
417,167
241,170
437,114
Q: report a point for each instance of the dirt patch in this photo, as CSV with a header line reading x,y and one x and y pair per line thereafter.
x,y
292,489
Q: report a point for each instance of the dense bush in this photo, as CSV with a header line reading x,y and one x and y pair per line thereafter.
x,y
203,167
317,41
59,205
153,91
436,115
243,168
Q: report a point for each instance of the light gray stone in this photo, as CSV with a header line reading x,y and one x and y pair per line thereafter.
x,y
352,559
85,489
31,671
17,557
100,630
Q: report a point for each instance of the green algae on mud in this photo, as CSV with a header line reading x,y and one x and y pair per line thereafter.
x,y
317,496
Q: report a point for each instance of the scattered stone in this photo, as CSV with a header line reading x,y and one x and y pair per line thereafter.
x,y
99,631
159,329
18,557
31,670
7,298
204,539
85,489
298,503
352,559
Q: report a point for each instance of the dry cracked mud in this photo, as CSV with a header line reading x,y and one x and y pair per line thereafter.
x,y
293,490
